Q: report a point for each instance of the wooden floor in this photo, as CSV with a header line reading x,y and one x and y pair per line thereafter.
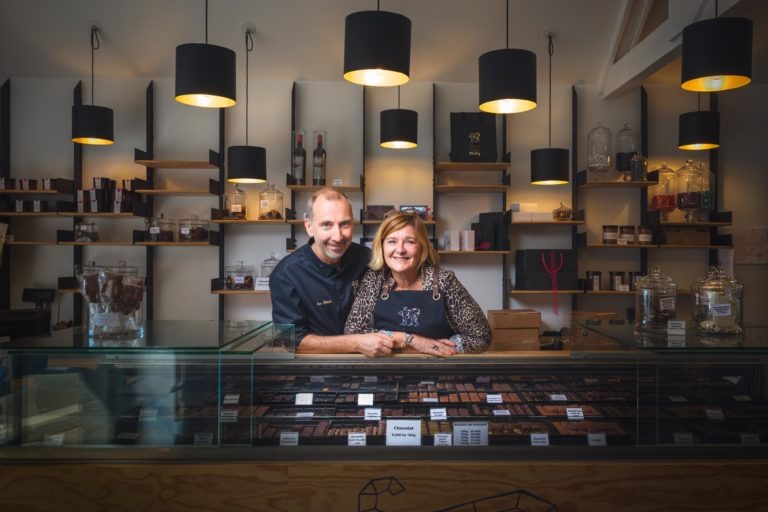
x,y
385,486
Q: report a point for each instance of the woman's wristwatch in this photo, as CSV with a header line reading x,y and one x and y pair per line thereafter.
x,y
408,339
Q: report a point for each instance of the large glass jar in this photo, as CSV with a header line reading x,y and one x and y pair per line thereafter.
x,y
655,301
627,145
689,188
193,230
160,229
239,277
114,295
663,194
599,152
718,300
268,265
86,232
270,203
235,203
707,192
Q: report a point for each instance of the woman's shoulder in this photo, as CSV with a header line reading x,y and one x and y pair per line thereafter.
x,y
444,276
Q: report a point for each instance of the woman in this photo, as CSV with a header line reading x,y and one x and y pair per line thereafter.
x,y
406,295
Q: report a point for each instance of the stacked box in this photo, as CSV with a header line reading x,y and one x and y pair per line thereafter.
x,y
514,329
587,339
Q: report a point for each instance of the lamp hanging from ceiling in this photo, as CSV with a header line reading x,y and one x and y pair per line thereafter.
x,y
92,124
507,79
699,130
399,127
205,73
377,48
549,166
247,164
717,54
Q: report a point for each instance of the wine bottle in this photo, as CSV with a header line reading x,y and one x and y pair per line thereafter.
x,y
318,162
299,161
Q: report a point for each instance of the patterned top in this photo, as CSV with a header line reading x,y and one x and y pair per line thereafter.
x,y
465,317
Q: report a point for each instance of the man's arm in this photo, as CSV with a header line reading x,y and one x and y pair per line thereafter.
x,y
372,344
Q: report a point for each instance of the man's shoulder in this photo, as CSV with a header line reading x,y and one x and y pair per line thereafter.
x,y
291,260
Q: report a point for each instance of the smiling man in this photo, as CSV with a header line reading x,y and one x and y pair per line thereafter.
x,y
313,287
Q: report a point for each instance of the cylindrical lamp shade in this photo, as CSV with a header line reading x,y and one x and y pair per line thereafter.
x,y
699,130
549,166
92,124
377,48
399,128
507,81
205,75
717,55
247,164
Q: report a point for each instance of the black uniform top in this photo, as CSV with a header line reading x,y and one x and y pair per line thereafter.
x,y
312,295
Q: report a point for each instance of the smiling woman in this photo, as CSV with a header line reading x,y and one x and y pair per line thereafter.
x,y
407,296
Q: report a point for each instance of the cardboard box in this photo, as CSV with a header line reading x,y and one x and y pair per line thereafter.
x,y
683,236
587,339
514,319
524,207
515,339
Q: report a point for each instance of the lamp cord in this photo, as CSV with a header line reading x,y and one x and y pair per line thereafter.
x,y
248,49
551,50
506,19
716,9
95,45
398,97
378,5
206,21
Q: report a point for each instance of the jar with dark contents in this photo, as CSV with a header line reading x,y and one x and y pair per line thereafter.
x,y
655,301
160,229
593,282
193,230
239,277
644,235
663,193
616,280
235,203
610,234
626,235
689,187
86,232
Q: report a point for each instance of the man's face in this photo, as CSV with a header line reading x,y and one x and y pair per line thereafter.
x,y
331,225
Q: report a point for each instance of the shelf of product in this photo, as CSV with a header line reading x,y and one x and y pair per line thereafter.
x,y
176,244
30,242
447,253
28,214
545,292
471,166
96,244
582,182
176,164
178,192
471,188
547,223
99,214
250,221
30,192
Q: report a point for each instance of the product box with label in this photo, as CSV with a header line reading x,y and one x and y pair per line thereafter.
x,y
514,319
683,236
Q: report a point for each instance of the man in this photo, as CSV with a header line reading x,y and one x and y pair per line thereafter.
x,y
313,287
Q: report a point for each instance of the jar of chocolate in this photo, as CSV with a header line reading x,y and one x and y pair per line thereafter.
x,y
644,235
268,265
594,278
610,234
239,277
655,301
160,229
270,203
718,303
616,280
235,203
626,235
193,230
86,232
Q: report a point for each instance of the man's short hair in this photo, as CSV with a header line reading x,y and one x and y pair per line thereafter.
x,y
330,194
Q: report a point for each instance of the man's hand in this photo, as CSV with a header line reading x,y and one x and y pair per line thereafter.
x,y
375,344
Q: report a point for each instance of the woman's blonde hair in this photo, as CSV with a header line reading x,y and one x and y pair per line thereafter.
x,y
395,221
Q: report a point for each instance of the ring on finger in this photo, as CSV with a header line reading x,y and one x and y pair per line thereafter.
x,y
434,347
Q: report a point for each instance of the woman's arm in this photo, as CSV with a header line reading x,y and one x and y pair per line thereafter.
x,y
465,317
360,318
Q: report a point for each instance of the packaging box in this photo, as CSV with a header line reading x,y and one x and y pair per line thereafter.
x,y
467,240
683,236
451,240
514,319
515,339
531,269
521,217
541,216
524,207
500,222
584,338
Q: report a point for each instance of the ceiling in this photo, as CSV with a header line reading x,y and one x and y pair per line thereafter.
x,y
304,39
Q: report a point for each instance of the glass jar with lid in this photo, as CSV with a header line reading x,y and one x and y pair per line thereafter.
x,y
268,265
638,168
193,229
562,213
160,229
689,187
718,301
599,152
655,301
86,232
627,145
663,195
707,193
270,203
239,277
235,203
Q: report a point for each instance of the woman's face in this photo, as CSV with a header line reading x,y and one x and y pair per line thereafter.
x,y
402,251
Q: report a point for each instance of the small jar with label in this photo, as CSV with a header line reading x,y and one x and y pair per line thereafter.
x,y
610,234
86,232
655,301
644,235
718,303
193,230
239,277
616,280
235,203
160,229
626,235
270,203
269,264
593,282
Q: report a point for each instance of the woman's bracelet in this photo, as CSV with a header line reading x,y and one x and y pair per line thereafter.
x,y
408,339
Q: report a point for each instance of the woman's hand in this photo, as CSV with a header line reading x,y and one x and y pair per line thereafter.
x,y
434,347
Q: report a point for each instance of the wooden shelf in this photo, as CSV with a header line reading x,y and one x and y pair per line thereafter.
x,y
312,188
694,247
248,221
479,189
99,214
608,292
617,246
705,224
156,192
175,244
471,166
104,244
176,164
31,192
30,242
240,292
547,223
471,252
28,214
618,184
544,292
375,222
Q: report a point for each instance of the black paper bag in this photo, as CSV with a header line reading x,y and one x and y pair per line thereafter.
x,y
533,267
473,137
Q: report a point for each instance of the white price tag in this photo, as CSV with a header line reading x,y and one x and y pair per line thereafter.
x,y
574,413
683,438
483,380
677,398
154,230
289,439
239,279
370,378
427,383
438,414
228,415
676,327
316,379
365,399
493,399
750,438
715,414
304,398
356,439
372,414
443,439
667,303
307,414
403,432
539,439
501,412
742,398
470,433
429,400
558,398
231,399
597,439
53,440
721,310
148,415
185,231
203,439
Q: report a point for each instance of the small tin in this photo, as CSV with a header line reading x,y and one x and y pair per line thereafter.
x,y
616,279
627,235
610,234
644,235
594,279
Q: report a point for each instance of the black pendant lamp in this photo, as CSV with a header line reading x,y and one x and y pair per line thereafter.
x,y
377,48
205,73
549,166
507,79
717,54
92,124
247,164
699,130
399,127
